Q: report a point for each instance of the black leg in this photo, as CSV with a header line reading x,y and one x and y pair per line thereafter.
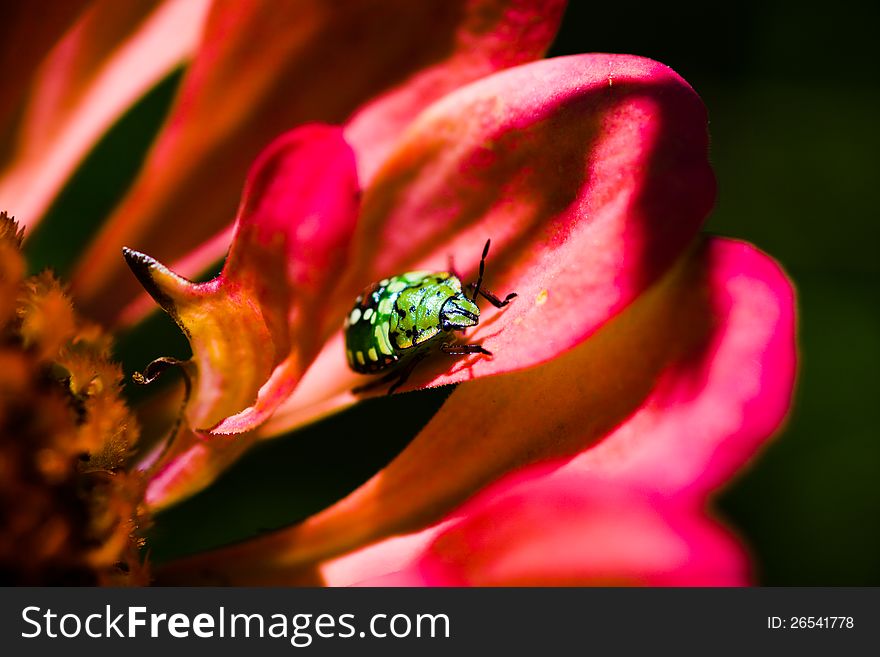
x,y
453,349
405,371
401,373
494,300
482,269
478,286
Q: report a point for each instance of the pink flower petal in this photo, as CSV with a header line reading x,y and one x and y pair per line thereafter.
x,y
575,529
265,67
705,419
191,463
254,328
590,175
108,60
708,415
491,36
647,403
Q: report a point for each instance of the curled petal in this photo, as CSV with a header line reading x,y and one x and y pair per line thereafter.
x,y
253,329
265,67
589,173
572,529
715,339
113,54
709,415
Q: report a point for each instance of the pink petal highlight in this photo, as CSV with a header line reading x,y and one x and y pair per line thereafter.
x,y
578,530
381,559
108,60
190,465
708,415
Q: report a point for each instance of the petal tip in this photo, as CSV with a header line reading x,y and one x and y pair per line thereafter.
x,y
160,282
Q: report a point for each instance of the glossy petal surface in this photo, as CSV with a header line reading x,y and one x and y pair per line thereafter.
x,y
708,415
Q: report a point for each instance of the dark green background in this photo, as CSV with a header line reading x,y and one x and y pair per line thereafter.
x,y
793,106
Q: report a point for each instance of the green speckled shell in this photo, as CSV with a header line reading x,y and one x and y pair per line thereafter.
x,y
395,317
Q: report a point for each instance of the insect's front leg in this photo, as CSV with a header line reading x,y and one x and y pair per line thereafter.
x,y
493,299
478,286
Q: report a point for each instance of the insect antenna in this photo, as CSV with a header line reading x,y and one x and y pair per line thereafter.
x,y
482,269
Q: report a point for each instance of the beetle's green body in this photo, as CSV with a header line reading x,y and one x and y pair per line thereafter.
x,y
405,315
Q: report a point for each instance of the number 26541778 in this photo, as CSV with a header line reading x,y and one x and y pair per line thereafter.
x,y
810,622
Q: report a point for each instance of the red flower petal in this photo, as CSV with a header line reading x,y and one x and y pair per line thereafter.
x,y
266,67
675,394
491,36
255,328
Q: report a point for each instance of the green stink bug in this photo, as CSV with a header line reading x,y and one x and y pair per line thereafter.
x,y
400,320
